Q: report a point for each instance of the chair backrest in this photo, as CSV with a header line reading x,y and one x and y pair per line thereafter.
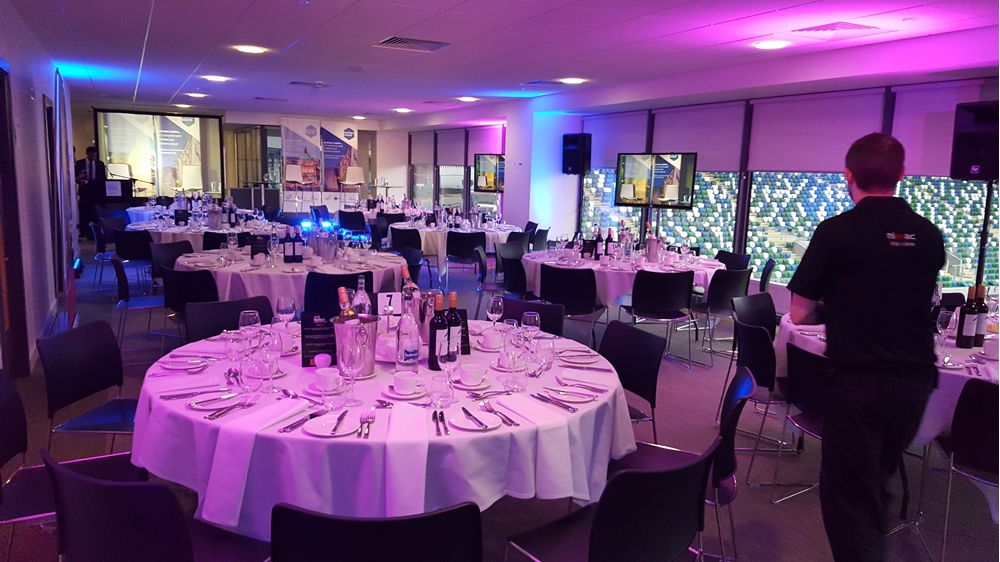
x,y
164,200
109,225
382,224
765,276
121,280
206,319
461,246
182,287
102,520
78,363
740,389
726,285
654,292
733,261
521,238
515,280
166,254
450,534
576,289
481,262
651,514
406,238
321,290
352,220
320,213
133,244
974,428
756,352
636,355
551,315
808,374
540,240
391,218
13,423
531,226
512,250
100,244
756,310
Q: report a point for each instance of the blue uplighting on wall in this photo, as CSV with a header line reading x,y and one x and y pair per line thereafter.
x,y
90,71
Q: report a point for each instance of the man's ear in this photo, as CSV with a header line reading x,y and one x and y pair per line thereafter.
x,y
849,176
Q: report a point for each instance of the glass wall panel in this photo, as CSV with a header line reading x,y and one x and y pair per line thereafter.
x,y
423,185
597,205
709,225
452,192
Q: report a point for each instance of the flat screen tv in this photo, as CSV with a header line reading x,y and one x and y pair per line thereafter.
x,y
488,173
662,180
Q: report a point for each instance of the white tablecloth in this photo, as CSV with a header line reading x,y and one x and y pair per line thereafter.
x,y
235,282
140,214
404,468
611,281
372,215
434,241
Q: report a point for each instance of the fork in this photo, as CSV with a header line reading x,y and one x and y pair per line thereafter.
x,y
583,386
247,402
481,395
487,407
191,371
371,420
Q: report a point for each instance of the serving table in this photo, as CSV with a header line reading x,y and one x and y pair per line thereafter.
x,y
613,281
240,280
434,241
241,465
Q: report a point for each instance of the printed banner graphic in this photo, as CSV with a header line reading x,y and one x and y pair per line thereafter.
x,y
340,150
302,154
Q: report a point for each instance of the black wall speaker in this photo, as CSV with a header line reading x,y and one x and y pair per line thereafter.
x,y
974,148
576,154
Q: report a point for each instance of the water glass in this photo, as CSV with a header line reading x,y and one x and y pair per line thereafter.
x,y
250,373
351,359
531,324
441,393
285,310
494,310
449,354
249,324
545,353
947,321
235,344
271,347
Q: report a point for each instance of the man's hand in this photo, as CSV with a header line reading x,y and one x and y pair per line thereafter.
x,y
805,311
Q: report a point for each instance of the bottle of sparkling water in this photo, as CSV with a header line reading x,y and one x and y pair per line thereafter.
x,y
407,339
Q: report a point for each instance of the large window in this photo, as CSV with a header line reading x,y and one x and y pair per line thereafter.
x,y
423,185
709,225
452,186
597,205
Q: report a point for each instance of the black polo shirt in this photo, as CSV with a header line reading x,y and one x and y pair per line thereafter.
x,y
875,268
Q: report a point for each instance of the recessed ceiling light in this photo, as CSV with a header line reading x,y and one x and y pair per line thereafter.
x,y
196,95
252,49
359,117
468,99
402,110
573,81
772,44
909,20
182,105
211,78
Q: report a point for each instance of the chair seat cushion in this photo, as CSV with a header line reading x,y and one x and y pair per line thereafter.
x,y
491,287
116,416
655,315
142,303
809,423
637,415
945,442
649,456
564,539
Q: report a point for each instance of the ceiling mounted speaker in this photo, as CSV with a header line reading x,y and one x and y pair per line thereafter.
x,y
974,146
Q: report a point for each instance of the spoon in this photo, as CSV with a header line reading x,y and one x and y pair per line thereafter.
x,y
295,396
382,403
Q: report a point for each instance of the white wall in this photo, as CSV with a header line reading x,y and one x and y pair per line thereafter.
x,y
555,196
32,75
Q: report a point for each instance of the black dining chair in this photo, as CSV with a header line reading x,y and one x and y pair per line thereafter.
x,y
404,237
648,456
126,302
765,276
321,290
181,288
523,239
531,227
726,284
755,310
642,515
550,315
383,232
575,289
109,225
391,218
662,297
414,263
101,520
460,248
133,247
79,363
102,256
166,254
319,213
540,240
636,355
732,260
217,240
452,534
354,221
206,319
484,285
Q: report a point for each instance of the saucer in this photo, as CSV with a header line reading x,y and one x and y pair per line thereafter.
x,y
388,392
492,422
481,386
495,365
479,346
313,390
983,353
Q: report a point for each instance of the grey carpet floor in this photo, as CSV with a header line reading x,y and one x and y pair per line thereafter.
x,y
686,406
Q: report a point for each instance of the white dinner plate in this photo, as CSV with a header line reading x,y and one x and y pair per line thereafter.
x,y
206,401
388,392
207,265
492,421
578,359
483,385
312,390
571,398
495,365
478,345
323,425
182,365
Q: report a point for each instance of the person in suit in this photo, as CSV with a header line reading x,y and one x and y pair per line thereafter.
x,y
90,176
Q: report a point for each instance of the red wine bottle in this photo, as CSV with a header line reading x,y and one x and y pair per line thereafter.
x,y
439,333
967,319
982,312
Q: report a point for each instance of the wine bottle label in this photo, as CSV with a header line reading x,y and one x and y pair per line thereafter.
x,y
969,328
980,324
455,334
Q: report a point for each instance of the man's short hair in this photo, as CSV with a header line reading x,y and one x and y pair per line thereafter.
x,y
876,161
91,150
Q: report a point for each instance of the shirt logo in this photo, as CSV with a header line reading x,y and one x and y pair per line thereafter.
x,y
900,239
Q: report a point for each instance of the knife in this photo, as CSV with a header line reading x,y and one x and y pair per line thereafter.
x,y
437,426
469,415
301,421
216,399
336,426
191,394
444,424
548,400
569,392
585,368
196,356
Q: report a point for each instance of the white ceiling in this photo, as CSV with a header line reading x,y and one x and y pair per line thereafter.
x,y
102,46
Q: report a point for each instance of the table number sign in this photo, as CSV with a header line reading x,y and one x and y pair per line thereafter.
x,y
466,347
318,336
181,217
258,244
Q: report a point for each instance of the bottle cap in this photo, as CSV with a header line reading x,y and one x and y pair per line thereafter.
x,y
439,302
453,299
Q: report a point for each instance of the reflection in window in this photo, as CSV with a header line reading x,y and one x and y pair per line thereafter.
x,y
452,186
423,185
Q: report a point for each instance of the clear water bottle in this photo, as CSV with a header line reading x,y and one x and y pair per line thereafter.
x,y
361,303
407,339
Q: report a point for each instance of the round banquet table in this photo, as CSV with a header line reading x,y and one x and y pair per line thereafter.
x,y
613,281
942,402
195,236
240,280
140,214
241,465
434,241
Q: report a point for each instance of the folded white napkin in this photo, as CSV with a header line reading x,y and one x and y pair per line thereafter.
x,y
231,462
554,470
405,461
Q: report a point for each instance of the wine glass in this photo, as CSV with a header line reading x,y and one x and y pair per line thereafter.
x,y
234,344
495,310
531,323
545,351
441,391
285,310
271,347
249,324
449,353
947,321
272,250
350,359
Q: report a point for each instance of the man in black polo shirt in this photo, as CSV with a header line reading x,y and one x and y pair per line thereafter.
x,y
870,274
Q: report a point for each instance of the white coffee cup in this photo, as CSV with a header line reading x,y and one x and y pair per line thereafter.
x,y
316,261
405,382
328,379
605,260
471,374
639,261
492,339
307,252
503,360
245,250
257,260
991,348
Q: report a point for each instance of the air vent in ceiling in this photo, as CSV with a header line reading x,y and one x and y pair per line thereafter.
x,y
542,83
316,85
437,103
406,44
835,27
127,97
262,98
